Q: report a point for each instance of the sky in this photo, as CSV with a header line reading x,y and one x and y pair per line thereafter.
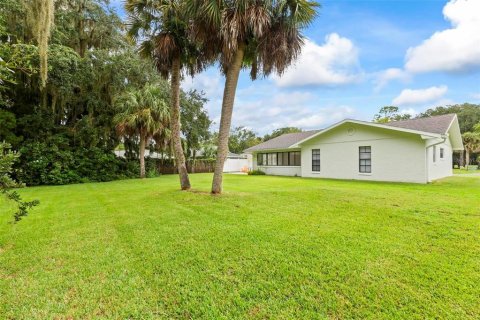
x,y
359,56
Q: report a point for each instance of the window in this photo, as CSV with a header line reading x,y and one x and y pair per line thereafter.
x,y
442,153
279,159
434,153
365,159
259,159
294,158
315,159
285,158
272,159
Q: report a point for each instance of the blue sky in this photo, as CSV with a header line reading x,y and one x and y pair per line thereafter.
x,y
359,56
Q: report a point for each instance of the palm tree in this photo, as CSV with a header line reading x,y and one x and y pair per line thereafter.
x,y
163,27
264,35
143,113
471,142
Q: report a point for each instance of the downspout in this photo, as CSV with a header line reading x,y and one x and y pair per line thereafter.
x,y
444,137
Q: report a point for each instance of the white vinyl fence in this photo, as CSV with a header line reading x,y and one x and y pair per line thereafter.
x,y
236,165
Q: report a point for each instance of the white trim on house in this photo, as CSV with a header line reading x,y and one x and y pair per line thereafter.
x,y
457,136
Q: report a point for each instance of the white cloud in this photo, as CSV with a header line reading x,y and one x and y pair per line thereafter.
x,y
420,96
452,50
333,63
323,116
384,77
282,109
211,83
263,107
208,83
409,111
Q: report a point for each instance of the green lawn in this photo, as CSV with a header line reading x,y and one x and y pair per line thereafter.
x,y
270,248
464,171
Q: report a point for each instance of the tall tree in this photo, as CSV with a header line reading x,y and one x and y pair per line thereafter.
x,y
265,35
468,114
84,25
390,113
163,28
195,122
88,68
471,142
143,113
242,138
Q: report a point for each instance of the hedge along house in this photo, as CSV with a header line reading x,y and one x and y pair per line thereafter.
x,y
417,150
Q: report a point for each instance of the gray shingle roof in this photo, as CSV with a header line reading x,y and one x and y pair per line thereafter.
x,y
283,141
435,124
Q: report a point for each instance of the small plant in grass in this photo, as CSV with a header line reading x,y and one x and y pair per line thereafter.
x,y
7,158
256,173
152,173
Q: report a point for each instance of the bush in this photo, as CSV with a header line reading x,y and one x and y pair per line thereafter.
x,y
256,173
55,163
7,159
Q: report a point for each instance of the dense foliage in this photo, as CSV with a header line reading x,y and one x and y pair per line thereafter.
x,y
468,114
144,114
242,138
65,132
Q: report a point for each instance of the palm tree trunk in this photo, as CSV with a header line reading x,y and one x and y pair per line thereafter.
x,y
231,81
467,157
177,142
143,142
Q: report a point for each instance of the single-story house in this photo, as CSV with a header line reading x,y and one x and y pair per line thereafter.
x,y
417,150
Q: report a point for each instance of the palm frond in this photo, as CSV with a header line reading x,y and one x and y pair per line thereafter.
x,y
143,112
269,30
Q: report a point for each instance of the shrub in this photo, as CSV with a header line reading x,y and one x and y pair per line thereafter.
x,y
256,173
56,163
7,158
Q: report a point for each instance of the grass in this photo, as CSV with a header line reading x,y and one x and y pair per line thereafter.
x,y
269,248
465,171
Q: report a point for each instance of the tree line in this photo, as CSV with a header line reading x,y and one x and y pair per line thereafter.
x,y
76,81
468,119
67,125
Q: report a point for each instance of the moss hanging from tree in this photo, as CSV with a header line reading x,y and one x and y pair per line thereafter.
x,y
41,18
